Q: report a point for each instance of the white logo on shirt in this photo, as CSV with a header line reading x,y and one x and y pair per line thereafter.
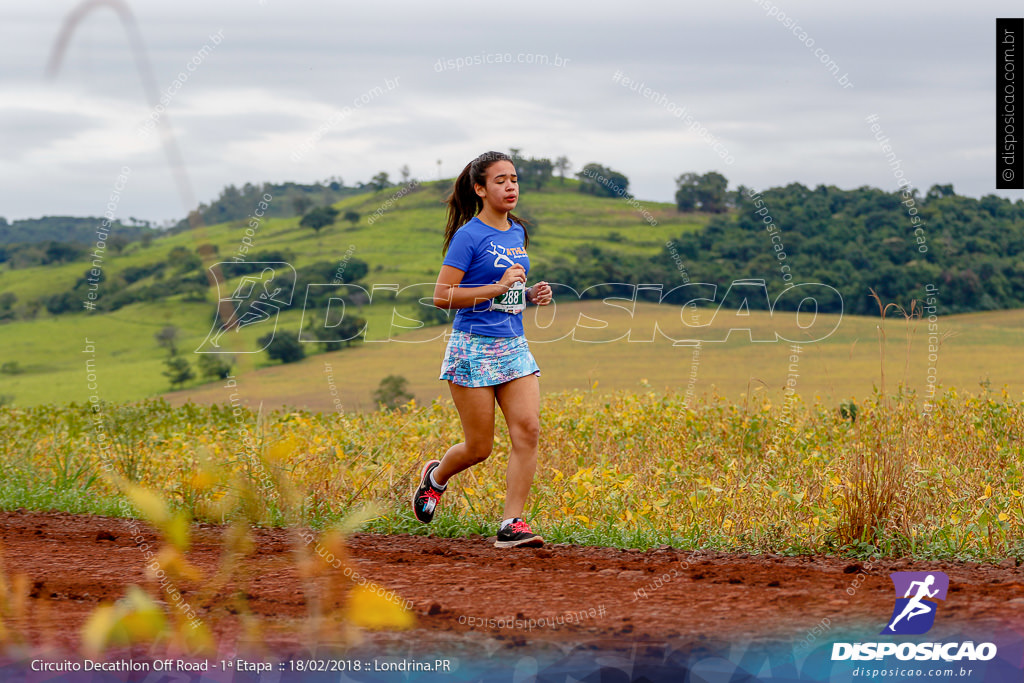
x,y
500,257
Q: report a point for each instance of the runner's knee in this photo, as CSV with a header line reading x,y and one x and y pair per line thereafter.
x,y
525,433
479,450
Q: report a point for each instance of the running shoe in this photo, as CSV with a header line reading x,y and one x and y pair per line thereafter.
x,y
517,534
427,496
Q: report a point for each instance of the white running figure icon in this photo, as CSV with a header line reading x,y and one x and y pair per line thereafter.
x,y
500,257
915,606
257,310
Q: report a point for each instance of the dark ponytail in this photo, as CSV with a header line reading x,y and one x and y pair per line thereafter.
x,y
464,203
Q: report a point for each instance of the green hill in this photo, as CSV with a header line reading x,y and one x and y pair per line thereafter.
x,y
404,243
852,240
43,354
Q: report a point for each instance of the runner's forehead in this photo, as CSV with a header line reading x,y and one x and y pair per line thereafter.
x,y
501,169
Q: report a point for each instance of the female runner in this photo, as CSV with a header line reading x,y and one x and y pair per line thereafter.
x,y
487,359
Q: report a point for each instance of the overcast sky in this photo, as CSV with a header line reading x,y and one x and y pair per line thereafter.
x,y
249,111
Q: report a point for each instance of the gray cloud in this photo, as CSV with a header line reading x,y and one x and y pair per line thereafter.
x,y
284,69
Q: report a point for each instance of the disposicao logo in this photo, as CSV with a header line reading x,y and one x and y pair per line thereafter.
x,y
914,614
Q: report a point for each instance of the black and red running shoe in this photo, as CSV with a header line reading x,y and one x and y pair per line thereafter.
x,y
517,534
427,496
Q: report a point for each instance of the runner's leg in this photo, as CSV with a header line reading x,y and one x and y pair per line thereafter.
x,y
476,410
519,400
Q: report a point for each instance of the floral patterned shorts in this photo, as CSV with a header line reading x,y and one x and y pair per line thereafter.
x,y
473,360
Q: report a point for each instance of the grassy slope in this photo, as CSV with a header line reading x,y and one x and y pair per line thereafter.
x,y
404,243
404,247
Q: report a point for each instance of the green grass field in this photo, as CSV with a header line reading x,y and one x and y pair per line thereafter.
x,y
845,365
983,348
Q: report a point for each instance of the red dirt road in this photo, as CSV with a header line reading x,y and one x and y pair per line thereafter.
x,y
456,586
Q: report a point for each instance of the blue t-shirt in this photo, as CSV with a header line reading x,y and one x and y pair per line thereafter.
x,y
484,254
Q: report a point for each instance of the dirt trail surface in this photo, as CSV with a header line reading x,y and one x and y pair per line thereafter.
x,y
464,591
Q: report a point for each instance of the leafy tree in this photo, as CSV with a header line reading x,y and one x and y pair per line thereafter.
x,y
392,392
183,259
562,164
319,218
352,217
178,370
283,346
7,301
355,270
82,283
380,181
61,252
706,192
599,181
406,173
686,192
63,303
118,242
533,172
348,328
215,366
66,230
167,338
712,192
940,191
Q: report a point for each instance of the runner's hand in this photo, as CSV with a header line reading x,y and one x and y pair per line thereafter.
x,y
539,294
513,274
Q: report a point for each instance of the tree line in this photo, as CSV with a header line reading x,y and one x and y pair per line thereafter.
x,y
66,230
895,243
858,240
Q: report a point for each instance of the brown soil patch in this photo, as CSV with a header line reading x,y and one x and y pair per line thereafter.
x,y
73,562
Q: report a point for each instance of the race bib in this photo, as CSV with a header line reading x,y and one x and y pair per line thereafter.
x,y
513,301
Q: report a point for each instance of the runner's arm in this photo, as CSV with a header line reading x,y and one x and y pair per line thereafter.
x,y
448,293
